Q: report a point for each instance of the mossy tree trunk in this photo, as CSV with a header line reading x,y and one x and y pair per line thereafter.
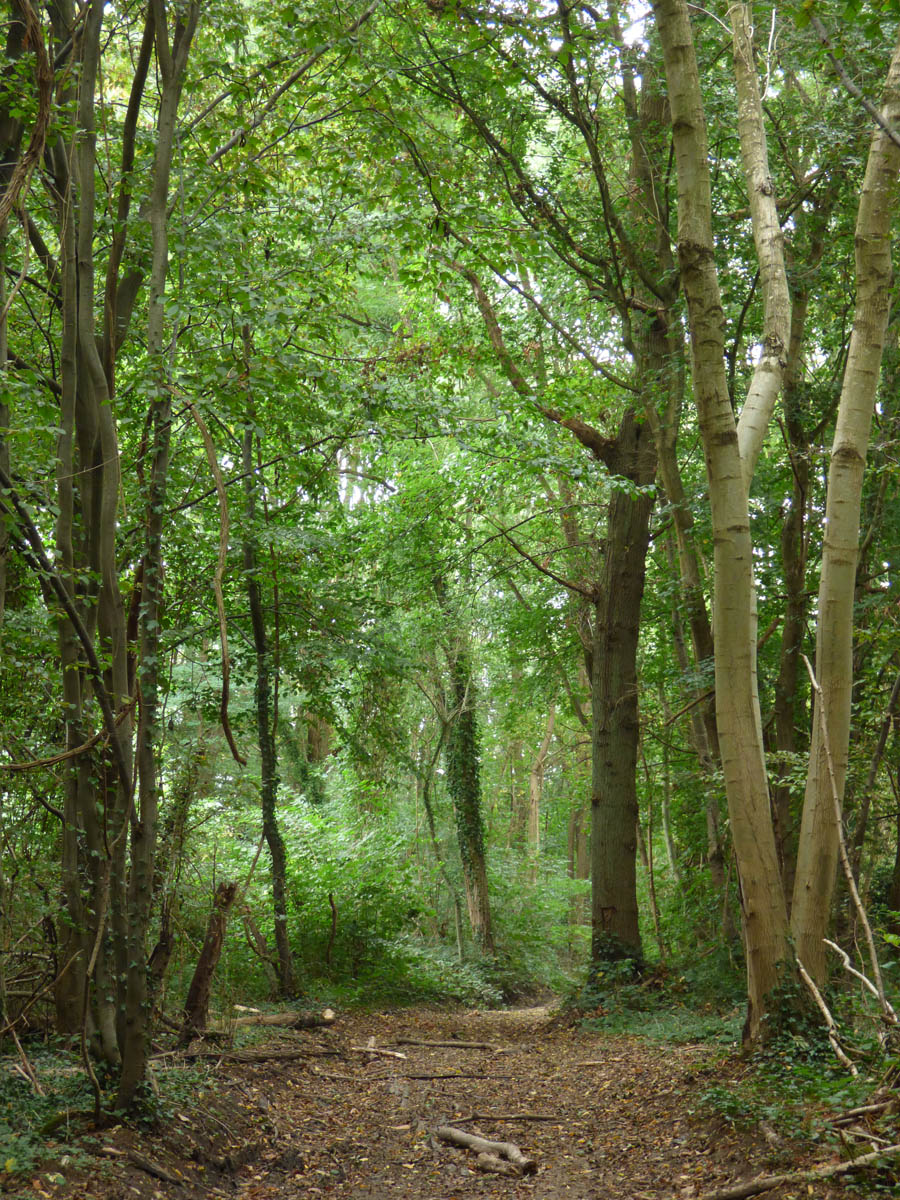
x,y
463,755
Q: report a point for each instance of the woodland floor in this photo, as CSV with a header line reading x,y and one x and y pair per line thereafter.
x,y
606,1118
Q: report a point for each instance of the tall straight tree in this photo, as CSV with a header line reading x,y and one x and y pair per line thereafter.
x,y
732,447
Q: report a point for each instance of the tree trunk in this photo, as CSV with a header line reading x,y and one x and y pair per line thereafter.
x,y
535,788
464,785
817,850
893,897
731,450
196,1006
615,725
788,712
135,1032
267,749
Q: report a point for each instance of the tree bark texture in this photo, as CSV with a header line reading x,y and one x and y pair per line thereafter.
x,y
817,850
729,451
463,757
794,546
615,725
135,1032
196,1006
268,755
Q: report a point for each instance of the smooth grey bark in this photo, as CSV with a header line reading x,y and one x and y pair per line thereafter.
x,y
731,448
818,842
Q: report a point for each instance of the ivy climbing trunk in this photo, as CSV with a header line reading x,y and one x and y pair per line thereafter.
x,y
464,785
264,719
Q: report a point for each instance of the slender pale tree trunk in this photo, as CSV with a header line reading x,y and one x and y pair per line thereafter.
x,y
731,451
819,832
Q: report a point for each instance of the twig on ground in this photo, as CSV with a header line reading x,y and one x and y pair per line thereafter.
x,y
456,1075
450,1045
26,1068
523,1116
377,1050
248,1056
144,1164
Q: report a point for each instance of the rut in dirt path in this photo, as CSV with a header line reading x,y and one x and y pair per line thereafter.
x,y
601,1117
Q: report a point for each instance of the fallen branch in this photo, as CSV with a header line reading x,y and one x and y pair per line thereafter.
x,y
508,1150
864,1110
887,1009
451,1045
376,1050
495,1165
829,1020
765,1183
26,1068
248,1056
865,1135
523,1116
144,1164
456,1075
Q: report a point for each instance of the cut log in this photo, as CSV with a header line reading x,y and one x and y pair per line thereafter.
x,y
508,1150
287,1020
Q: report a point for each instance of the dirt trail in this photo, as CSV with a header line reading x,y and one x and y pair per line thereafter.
x,y
603,1117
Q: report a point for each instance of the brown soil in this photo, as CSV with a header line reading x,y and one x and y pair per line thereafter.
x,y
605,1118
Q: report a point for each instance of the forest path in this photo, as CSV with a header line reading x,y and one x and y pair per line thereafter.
x,y
602,1117
319,1114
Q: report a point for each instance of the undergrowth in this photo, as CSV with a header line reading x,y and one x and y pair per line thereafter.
x,y
700,1003
43,1132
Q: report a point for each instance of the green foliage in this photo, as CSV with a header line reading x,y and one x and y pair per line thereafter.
x,y
696,1004
34,1128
